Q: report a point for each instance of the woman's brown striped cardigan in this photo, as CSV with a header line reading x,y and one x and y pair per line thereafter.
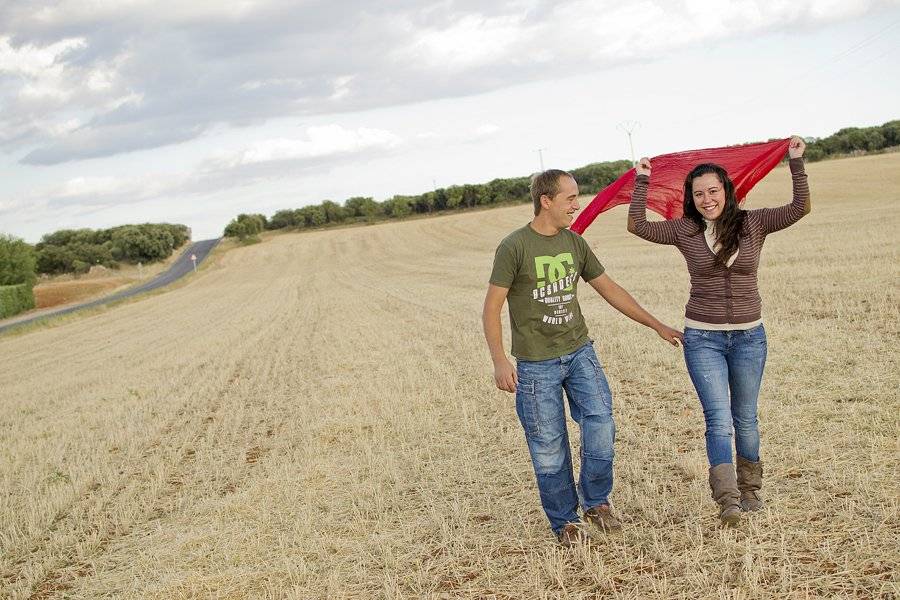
x,y
721,294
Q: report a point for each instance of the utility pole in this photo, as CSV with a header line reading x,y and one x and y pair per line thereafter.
x,y
628,127
540,152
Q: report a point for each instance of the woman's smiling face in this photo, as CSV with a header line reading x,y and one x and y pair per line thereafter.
x,y
709,196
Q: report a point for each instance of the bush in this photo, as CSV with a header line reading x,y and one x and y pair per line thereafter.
x,y
854,140
141,243
15,299
245,226
283,219
55,259
17,261
361,206
313,216
594,177
334,212
397,207
68,250
180,234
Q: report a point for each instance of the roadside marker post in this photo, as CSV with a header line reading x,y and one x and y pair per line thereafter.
x,y
194,260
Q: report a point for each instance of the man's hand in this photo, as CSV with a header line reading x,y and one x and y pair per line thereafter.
x,y
505,376
643,167
796,147
673,336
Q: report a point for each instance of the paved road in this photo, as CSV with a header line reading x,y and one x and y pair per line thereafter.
x,y
181,267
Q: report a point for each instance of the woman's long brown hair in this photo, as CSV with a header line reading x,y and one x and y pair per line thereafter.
x,y
729,223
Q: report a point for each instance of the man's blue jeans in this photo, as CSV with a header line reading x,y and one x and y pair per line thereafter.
x,y
726,368
539,404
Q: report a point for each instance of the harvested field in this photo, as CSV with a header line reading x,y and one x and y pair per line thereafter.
x,y
314,417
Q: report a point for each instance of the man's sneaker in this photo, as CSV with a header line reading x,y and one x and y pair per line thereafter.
x,y
573,534
602,517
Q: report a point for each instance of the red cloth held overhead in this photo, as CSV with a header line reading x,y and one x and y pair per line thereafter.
x,y
746,165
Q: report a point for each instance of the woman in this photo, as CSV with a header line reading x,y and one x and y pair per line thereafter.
x,y
724,339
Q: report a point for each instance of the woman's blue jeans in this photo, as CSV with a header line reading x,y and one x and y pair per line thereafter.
x,y
539,404
726,368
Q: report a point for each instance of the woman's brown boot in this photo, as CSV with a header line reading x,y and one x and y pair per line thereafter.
x,y
723,483
749,481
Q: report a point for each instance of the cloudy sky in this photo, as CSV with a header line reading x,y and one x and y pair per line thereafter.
x,y
192,111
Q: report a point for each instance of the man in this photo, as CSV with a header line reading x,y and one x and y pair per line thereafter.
x,y
536,269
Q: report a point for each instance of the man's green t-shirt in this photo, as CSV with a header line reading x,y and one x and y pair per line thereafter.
x,y
541,273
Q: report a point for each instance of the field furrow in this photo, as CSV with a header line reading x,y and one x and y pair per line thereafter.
x,y
314,417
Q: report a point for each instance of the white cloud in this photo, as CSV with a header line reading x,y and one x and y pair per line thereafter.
x,y
341,87
322,141
37,62
486,130
41,70
149,74
223,170
171,12
256,84
472,41
83,186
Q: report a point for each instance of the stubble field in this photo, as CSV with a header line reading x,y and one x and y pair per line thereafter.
x,y
314,417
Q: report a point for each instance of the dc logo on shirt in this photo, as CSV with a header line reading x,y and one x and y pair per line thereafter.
x,y
553,268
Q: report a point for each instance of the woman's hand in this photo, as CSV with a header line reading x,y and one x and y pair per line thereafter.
x,y
796,147
643,167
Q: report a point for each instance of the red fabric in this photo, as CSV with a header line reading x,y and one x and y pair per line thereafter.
x,y
746,165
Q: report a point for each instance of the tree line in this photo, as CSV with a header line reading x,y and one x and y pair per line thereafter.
x,y
854,140
591,179
76,251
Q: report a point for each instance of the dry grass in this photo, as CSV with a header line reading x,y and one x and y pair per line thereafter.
x,y
313,417
47,295
61,290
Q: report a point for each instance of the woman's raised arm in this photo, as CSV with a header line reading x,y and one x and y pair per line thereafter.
x,y
775,219
660,232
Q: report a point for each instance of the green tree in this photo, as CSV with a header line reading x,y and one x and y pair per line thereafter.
x,y
283,219
314,215
93,254
55,259
440,199
17,261
143,243
245,226
891,132
360,206
334,212
423,203
454,197
180,234
397,207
